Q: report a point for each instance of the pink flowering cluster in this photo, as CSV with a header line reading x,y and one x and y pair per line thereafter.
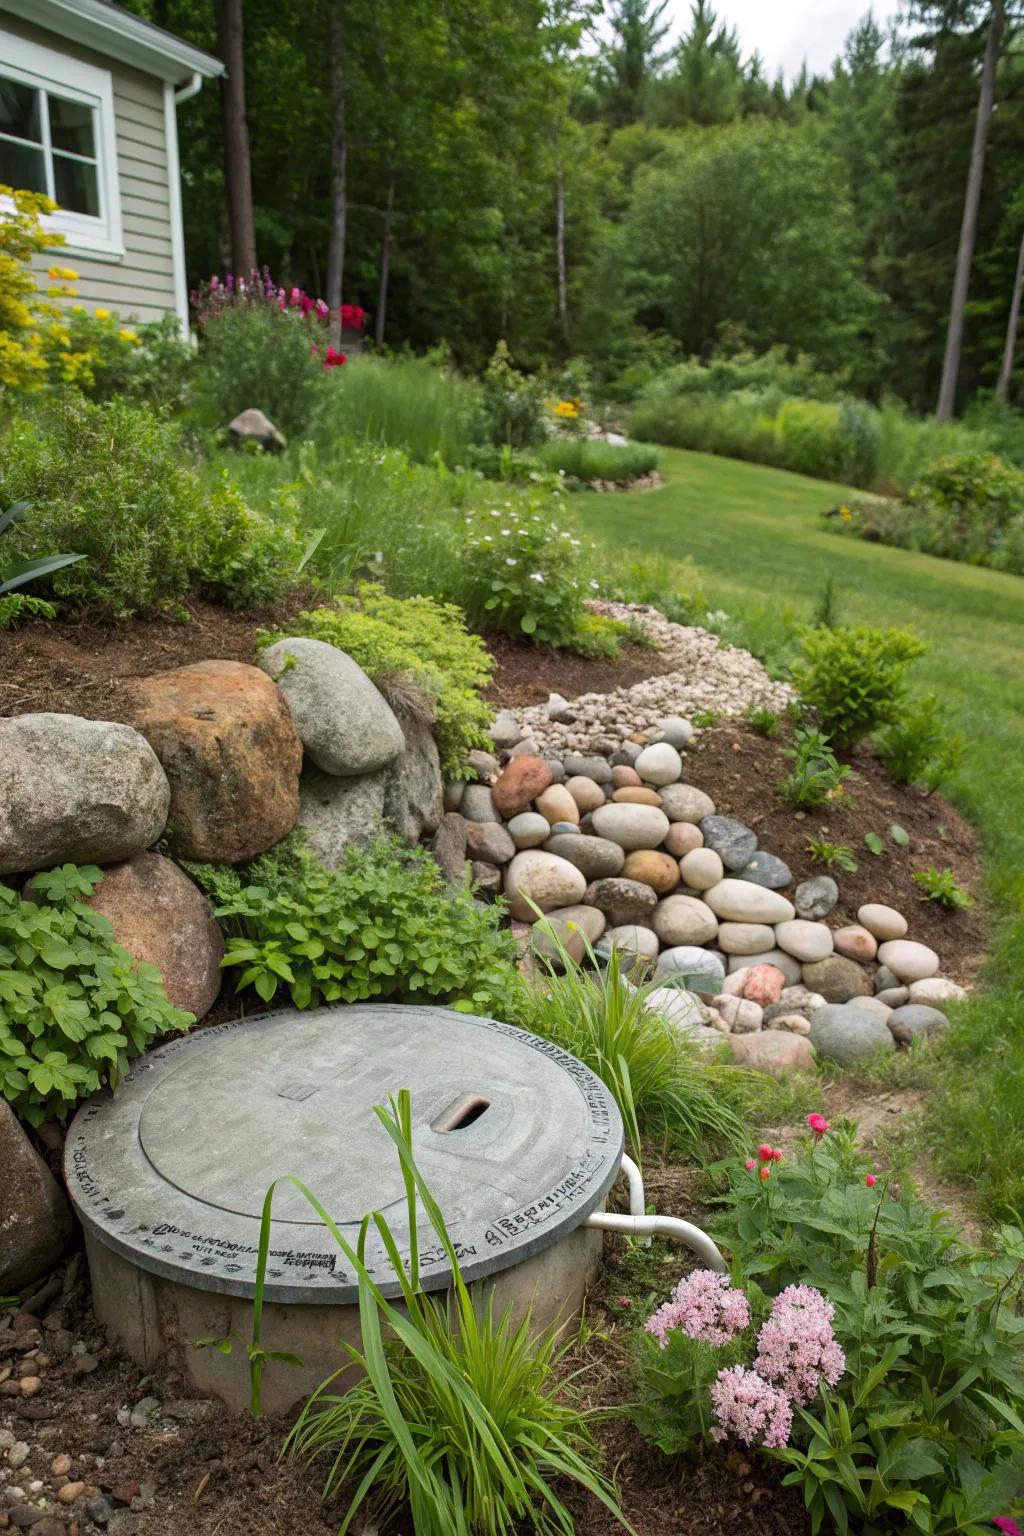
x,y
215,297
750,1408
796,1347
704,1306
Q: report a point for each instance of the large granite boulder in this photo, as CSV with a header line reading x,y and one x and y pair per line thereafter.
x,y
232,755
35,1222
338,814
346,725
413,787
76,791
160,917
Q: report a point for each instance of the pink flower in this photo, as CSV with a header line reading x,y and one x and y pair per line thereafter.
x,y
625,1301
796,1347
766,1173
1007,1526
750,1165
703,1306
776,1154
750,1408
870,1180
818,1124
764,1152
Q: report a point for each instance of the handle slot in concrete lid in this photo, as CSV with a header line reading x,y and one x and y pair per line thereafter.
x,y
464,1112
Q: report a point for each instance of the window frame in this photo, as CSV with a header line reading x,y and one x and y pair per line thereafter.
x,y
44,69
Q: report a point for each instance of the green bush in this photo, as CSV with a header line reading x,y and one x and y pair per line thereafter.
x,y
74,1006
406,403
384,924
157,370
817,777
414,638
919,747
854,678
591,458
512,402
653,579
112,482
257,355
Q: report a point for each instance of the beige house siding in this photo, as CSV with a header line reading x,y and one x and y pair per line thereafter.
x,y
140,285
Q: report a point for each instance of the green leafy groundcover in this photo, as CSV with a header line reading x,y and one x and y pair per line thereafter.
x,y
74,1006
385,924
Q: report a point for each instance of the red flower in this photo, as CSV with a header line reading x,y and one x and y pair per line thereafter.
x,y
818,1124
334,358
766,1172
764,1152
870,1180
776,1154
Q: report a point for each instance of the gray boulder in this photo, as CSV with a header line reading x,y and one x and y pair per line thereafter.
x,y
815,898
338,814
624,902
346,725
768,870
76,791
916,1019
34,1217
413,788
597,857
252,426
734,843
848,1034
449,847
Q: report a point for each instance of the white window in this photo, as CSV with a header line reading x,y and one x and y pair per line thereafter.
x,y
57,136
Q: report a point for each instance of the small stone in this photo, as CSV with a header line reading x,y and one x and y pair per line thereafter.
x,y
100,1509
626,755
908,960
702,968
448,846
815,898
680,1008
837,979
30,1385
803,940
742,1016
937,992
884,979
848,1033
143,1412
70,1492
587,794
883,923
684,920
659,764
731,839
624,902
763,985
631,826
744,938
683,837
633,939
855,942
558,774
597,857
740,901
917,1019
632,795
26,1517
674,729
701,868
521,781
478,804
596,768
18,1454
255,426
538,879
789,967
490,842
556,804
895,997
776,1052
684,802
60,1466
574,927
657,870
791,1023
529,829
767,870
795,999
506,730
126,1491
452,795
624,777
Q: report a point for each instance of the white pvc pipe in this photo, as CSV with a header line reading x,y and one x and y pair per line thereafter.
x,y
637,1204
663,1226
191,88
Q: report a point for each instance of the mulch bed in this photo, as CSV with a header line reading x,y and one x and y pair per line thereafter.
x,y
525,673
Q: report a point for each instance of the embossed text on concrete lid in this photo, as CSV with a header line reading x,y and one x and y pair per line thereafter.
x,y
517,1141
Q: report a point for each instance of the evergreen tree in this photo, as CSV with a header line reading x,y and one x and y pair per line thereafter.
x,y
628,65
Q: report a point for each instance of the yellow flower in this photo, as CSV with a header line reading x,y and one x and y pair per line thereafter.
x,y
54,272
78,309
101,314
566,409
124,334
845,514
69,274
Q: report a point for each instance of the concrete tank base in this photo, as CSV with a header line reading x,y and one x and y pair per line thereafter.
x,y
157,1321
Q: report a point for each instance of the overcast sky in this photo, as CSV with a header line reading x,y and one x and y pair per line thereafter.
x,y
788,31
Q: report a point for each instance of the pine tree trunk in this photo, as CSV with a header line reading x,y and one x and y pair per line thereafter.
x,y
1012,324
563,297
339,169
969,224
237,169
385,269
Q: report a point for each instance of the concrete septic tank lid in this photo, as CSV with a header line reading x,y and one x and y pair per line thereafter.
x,y
517,1140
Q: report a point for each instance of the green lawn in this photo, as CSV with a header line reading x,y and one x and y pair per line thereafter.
x,y
756,537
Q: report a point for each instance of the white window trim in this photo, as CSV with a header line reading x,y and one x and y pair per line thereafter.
x,y
46,69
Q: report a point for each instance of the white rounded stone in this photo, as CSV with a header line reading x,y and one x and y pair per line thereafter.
x,y
587,795
742,1016
873,1005
529,829
543,879
660,764
680,1008
882,922
855,942
684,802
908,960
744,938
631,826
791,1023
684,920
701,869
804,940
741,901
935,991
633,939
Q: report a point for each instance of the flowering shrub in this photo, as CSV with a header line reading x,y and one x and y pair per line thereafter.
x,y
526,573
750,1408
513,403
705,1306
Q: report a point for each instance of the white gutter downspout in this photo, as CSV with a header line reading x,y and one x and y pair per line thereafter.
x,y
172,100
639,1225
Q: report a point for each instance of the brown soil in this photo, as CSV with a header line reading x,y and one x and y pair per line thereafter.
x,y
739,769
525,673
84,668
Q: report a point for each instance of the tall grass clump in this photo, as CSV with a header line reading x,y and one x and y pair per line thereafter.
x,y
663,1089
408,403
455,1413
591,458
